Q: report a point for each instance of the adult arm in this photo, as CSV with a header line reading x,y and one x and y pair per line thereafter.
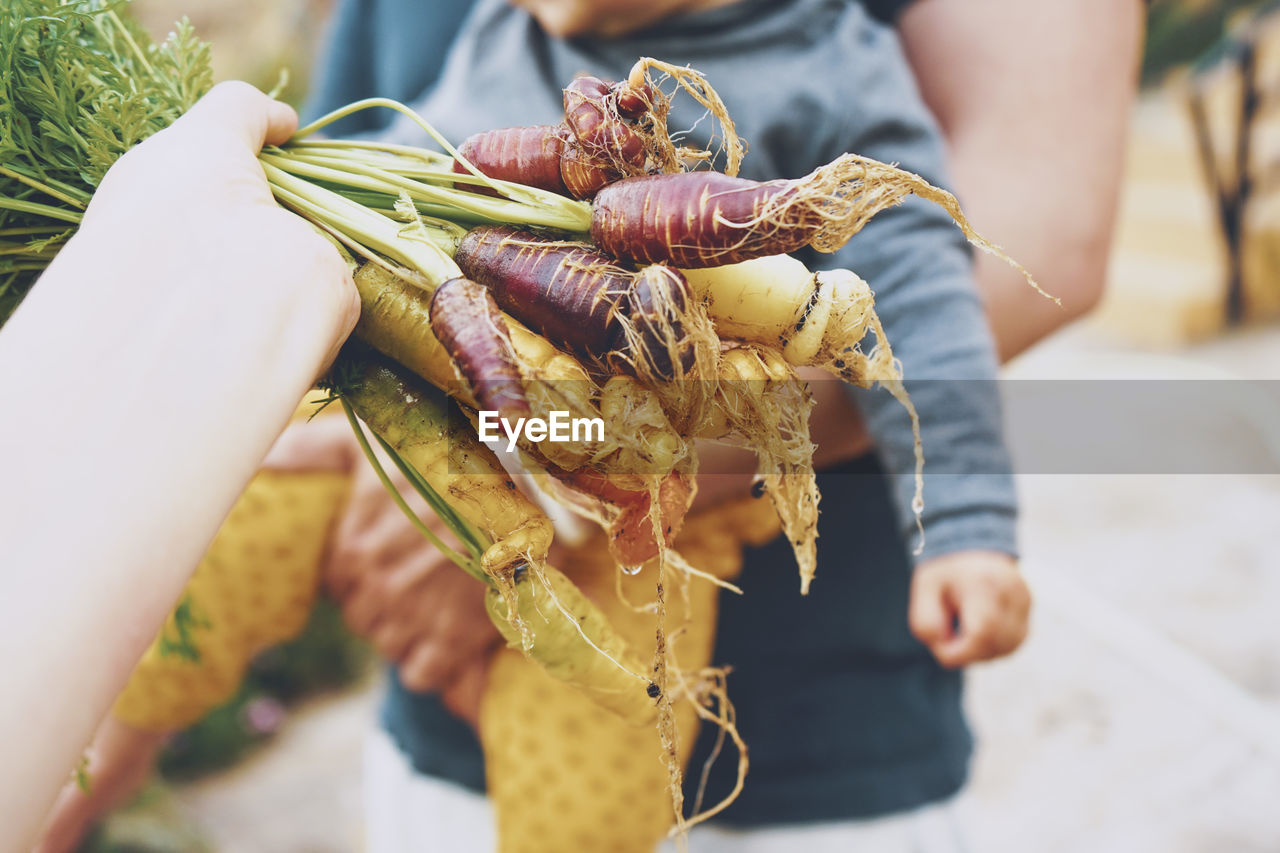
x,y
147,374
1033,99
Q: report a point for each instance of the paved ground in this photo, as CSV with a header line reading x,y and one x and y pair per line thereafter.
x,y
300,796
1144,712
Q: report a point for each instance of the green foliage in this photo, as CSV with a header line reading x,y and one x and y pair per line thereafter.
x,y
80,84
1180,32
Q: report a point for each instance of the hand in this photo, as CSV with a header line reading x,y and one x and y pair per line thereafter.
x,y
969,606
396,590
120,760
190,210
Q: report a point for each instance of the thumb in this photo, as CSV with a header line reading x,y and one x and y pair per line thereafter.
x,y
242,109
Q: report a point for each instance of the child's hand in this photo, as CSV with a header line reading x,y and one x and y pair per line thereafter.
x,y
969,606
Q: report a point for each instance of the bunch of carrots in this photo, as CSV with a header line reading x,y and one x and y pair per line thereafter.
x,y
593,267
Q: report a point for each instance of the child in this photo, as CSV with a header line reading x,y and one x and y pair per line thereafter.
x,y
847,715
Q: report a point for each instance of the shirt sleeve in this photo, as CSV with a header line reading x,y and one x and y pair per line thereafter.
x,y
919,266
921,269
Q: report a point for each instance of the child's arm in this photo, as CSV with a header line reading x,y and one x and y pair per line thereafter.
x,y
1024,100
919,265
967,574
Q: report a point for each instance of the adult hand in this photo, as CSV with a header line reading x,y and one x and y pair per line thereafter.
x,y
969,606
396,590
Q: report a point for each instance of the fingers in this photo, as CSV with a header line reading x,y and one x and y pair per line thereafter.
x,y
367,551
368,539
404,596
243,110
451,631
365,607
463,696
393,639
429,666
980,629
346,311
969,607
452,628
930,614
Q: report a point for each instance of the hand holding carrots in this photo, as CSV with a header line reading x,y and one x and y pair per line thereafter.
x,y
419,610
969,606
191,207
395,589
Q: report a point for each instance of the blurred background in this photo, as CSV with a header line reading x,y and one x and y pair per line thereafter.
x,y
1143,714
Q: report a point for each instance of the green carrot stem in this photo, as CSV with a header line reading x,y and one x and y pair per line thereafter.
x,y
23,250
513,191
365,226
40,209
133,45
371,103
470,566
446,213
31,231
386,149
45,187
573,216
475,541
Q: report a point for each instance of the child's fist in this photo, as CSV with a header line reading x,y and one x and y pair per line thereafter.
x,y
969,606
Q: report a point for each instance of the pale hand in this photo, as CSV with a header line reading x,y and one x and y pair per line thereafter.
x,y
191,208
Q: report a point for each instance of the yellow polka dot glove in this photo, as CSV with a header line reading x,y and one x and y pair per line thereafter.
x,y
254,588
562,772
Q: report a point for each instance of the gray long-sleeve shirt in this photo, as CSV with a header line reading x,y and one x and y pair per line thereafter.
x,y
791,77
